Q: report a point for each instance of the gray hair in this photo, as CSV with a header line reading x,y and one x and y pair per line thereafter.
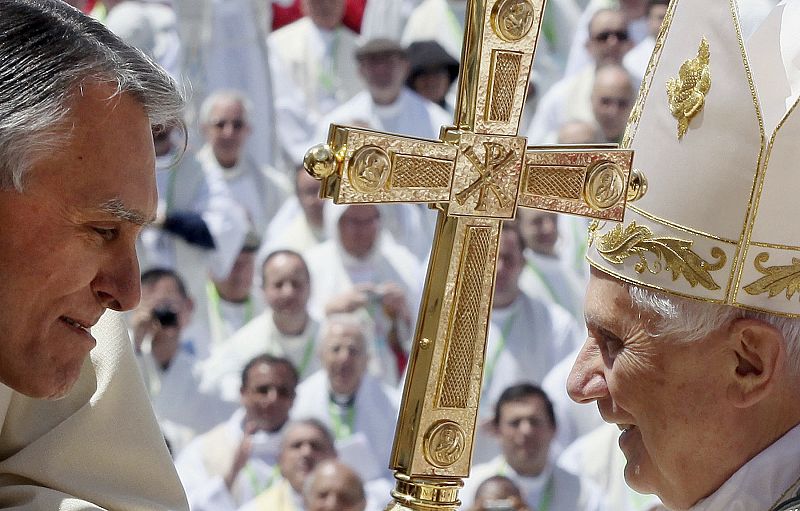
x,y
358,319
48,50
224,95
690,320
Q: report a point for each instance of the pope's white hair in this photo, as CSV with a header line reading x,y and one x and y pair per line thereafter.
x,y
689,320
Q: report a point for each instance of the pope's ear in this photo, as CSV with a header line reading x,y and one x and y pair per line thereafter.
x,y
760,353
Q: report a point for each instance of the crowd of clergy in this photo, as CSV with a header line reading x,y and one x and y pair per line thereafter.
x,y
274,328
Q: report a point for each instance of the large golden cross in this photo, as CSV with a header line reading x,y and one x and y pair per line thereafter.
x,y
476,175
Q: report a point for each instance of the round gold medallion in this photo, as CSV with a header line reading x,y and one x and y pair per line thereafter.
x,y
369,169
604,185
444,443
513,19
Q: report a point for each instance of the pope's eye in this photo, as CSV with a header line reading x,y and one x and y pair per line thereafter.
x,y
609,343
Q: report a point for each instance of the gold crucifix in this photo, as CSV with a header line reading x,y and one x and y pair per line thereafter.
x,y
476,175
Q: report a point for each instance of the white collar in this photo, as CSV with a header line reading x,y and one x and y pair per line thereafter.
x,y
762,481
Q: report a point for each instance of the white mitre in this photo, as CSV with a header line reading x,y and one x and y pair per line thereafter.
x,y
719,221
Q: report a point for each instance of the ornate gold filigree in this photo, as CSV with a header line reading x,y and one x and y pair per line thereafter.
x,y
619,244
776,278
687,93
594,226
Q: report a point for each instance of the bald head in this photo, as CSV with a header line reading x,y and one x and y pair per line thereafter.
x,y
612,99
333,486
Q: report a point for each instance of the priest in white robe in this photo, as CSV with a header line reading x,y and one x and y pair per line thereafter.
x,y
200,228
698,368
285,329
362,266
315,55
525,426
226,120
359,410
238,459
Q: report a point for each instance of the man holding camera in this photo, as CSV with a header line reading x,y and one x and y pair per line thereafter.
x,y
158,327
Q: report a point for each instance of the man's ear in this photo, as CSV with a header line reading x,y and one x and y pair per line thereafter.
x,y
760,352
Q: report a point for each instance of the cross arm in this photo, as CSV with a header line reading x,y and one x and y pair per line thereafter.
x,y
364,166
593,181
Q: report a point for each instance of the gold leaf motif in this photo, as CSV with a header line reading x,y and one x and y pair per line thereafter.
x,y
619,244
687,93
776,278
594,226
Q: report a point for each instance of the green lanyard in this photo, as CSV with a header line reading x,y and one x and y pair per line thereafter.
x,y
258,487
341,429
306,356
213,295
544,282
501,344
547,496
327,76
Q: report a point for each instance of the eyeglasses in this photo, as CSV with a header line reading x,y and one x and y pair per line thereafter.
x,y
618,102
236,124
619,35
283,392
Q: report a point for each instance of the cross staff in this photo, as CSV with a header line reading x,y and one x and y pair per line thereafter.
x,y
476,175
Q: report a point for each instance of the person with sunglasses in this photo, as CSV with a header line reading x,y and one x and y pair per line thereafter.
x,y
570,98
237,460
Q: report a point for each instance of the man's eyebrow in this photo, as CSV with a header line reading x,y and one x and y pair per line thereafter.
x,y
117,208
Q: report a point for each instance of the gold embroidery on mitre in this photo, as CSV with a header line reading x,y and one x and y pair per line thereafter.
x,y
619,244
776,278
687,93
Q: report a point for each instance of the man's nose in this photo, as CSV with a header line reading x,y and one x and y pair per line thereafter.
x,y
117,284
586,381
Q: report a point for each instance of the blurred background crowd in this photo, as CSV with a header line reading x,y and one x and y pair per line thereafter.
x,y
274,328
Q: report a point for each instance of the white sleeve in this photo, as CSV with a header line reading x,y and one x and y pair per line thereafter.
x,y
204,491
225,219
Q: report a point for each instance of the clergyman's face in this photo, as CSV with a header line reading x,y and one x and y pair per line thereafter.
x,y
227,130
68,245
344,357
286,284
525,431
268,395
302,448
665,394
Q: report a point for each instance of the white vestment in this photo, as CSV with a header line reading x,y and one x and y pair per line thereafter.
x,y
320,63
410,114
289,229
203,464
222,372
438,20
551,279
180,407
220,319
364,431
526,340
185,187
333,272
636,60
597,456
97,448
260,190
563,490
225,47
761,482
569,99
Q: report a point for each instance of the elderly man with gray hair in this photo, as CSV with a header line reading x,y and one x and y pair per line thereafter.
x,y
358,408
77,183
691,306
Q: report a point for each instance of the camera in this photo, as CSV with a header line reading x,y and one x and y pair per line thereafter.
x,y
166,316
